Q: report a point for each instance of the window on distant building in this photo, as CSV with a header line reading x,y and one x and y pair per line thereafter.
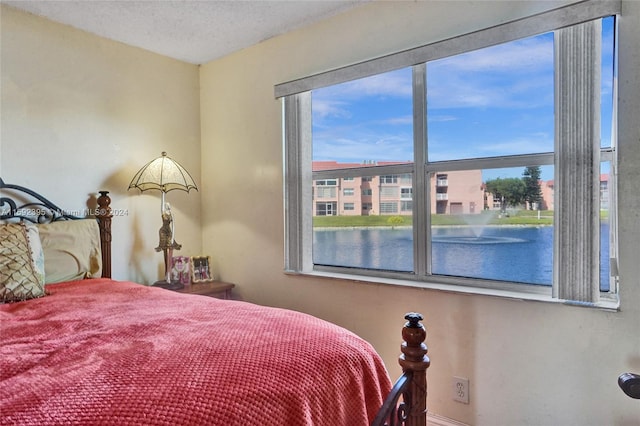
x,y
326,192
388,207
406,206
516,129
326,209
389,192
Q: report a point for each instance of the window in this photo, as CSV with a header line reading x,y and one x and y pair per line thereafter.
x,y
406,206
326,192
459,147
349,206
347,192
389,192
389,179
326,209
387,208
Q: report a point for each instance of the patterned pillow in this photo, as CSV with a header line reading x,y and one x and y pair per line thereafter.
x,y
18,278
37,253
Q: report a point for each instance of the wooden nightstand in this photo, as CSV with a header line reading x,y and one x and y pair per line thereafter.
x,y
218,289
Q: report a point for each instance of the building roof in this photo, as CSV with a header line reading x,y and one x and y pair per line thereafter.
x,y
334,165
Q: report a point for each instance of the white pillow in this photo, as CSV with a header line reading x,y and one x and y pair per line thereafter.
x,y
71,250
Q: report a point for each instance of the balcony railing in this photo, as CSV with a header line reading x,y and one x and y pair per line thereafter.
x,y
442,197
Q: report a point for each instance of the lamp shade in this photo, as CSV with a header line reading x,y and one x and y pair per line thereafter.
x,y
163,174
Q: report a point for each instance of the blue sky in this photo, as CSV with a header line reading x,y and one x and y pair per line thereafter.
x,y
490,102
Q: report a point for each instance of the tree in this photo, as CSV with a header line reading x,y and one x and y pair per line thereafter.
x,y
510,191
532,194
395,221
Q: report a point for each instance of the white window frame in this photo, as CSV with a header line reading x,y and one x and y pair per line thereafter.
x,y
569,286
406,192
388,180
388,207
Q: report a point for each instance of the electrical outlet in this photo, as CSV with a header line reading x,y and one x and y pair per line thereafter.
x,y
461,389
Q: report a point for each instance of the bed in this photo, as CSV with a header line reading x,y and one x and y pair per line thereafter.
x,y
87,349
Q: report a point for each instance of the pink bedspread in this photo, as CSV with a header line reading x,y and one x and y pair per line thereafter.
x,y
108,352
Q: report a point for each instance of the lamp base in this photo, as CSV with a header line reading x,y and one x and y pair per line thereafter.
x,y
169,285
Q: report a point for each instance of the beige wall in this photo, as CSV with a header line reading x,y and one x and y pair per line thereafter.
x,y
82,114
528,362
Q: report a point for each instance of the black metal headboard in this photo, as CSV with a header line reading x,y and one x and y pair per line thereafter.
x,y
33,207
20,203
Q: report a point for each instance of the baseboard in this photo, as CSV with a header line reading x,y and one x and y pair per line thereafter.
x,y
436,420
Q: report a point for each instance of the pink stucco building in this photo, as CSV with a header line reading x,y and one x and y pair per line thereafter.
x,y
452,192
457,192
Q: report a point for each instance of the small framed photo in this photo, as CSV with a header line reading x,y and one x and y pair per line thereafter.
x,y
200,269
180,270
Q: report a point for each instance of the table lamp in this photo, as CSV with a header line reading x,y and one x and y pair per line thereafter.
x,y
165,174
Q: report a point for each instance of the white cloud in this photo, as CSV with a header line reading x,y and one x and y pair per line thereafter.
x,y
355,144
511,75
521,56
435,118
404,120
482,147
528,144
326,107
394,83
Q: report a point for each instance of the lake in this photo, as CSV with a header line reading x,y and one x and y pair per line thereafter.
x,y
506,253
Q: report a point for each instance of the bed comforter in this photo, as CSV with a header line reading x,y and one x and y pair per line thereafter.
x,y
107,352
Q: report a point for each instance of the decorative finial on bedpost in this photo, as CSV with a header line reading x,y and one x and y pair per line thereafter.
x,y
103,214
414,358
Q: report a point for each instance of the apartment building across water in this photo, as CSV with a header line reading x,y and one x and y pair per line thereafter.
x,y
456,192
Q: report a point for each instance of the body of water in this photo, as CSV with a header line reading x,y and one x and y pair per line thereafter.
x,y
519,254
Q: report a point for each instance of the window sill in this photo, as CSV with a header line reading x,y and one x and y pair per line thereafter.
x,y
607,302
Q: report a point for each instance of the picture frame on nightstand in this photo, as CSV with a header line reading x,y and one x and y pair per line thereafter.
x,y
201,269
180,269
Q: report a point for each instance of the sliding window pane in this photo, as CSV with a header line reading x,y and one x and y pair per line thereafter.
x,y
607,140
492,102
605,226
607,82
365,121
364,222
494,224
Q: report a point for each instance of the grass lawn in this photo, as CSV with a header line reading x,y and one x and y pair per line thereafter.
x,y
514,217
520,217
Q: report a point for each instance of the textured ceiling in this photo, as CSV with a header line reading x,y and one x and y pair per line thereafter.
x,y
189,30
